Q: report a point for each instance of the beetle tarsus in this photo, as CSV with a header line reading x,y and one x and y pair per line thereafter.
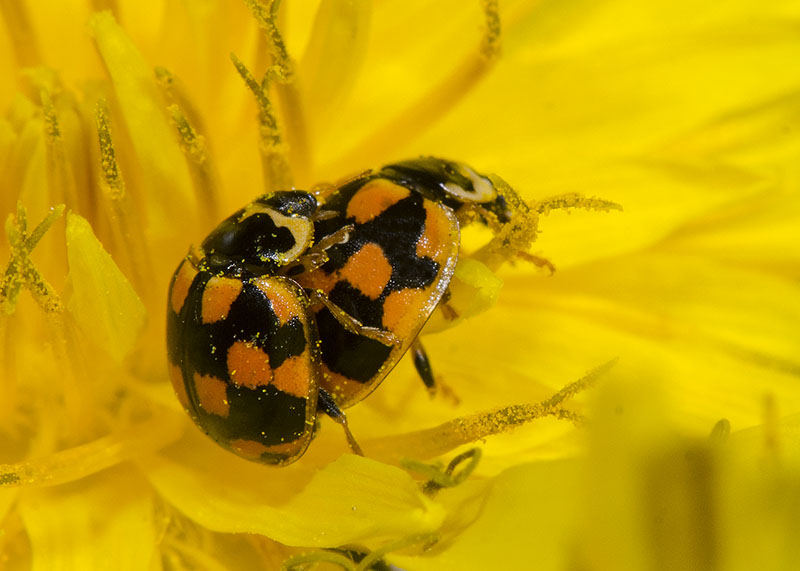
x,y
326,404
423,366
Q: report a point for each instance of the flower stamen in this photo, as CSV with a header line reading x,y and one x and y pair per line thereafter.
x,y
20,270
433,442
201,167
174,91
282,71
80,461
122,214
60,178
574,200
274,162
266,15
513,240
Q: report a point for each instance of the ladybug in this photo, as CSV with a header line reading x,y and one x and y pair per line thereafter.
x,y
394,268
291,307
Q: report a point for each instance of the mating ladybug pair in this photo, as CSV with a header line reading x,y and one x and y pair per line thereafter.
x,y
291,307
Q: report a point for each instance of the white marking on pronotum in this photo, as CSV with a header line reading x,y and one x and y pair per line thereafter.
x,y
483,190
301,228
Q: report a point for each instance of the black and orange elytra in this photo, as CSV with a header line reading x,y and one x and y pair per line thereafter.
x,y
291,308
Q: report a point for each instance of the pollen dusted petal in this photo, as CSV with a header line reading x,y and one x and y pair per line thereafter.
x,y
294,376
373,198
212,394
176,376
283,299
401,310
181,285
248,365
368,270
440,237
218,296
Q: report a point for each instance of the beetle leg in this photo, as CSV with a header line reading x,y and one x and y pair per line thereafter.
x,y
448,311
316,255
339,237
352,324
326,404
537,261
423,366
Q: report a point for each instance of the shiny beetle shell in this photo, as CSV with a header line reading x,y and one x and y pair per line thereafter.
x,y
257,334
396,265
242,345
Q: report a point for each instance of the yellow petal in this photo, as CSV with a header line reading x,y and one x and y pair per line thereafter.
x,y
643,497
163,171
759,233
335,53
525,519
759,498
7,499
103,522
353,499
103,302
719,337
716,337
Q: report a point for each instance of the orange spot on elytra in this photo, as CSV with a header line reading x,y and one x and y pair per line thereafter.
x,y
346,392
440,237
253,450
373,198
318,280
218,296
294,376
248,448
284,299
212,395
180,287
248,365
402,309
368,270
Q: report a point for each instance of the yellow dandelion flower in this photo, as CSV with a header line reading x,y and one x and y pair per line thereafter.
x,y
128,133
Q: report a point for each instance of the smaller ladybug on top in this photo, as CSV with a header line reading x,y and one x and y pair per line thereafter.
x,y
290,307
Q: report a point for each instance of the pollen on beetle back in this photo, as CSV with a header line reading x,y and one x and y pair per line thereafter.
x,y
248,365
368,270
212,395
218,295
374,198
